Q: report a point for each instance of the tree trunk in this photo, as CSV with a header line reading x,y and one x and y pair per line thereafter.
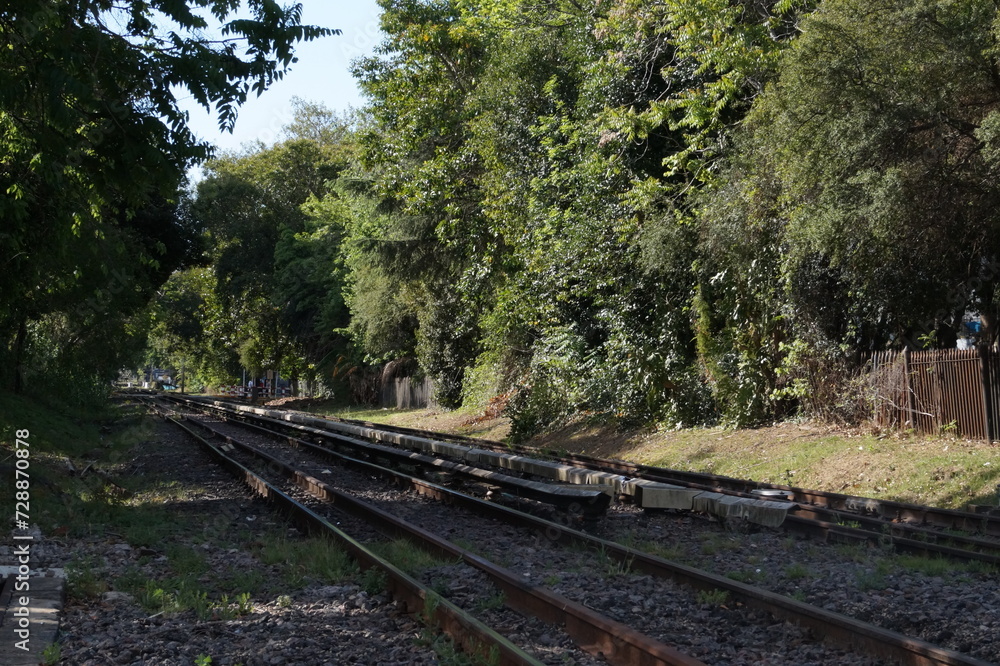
x,y
988,335
22,333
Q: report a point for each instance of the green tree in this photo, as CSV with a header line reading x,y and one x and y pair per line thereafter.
x,y
539,162
279,280
416,155
881,133
93,142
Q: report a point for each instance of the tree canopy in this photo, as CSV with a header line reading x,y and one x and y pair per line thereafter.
x,y
680,212
94,153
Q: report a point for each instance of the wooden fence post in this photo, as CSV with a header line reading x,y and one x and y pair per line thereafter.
x,y
988,408
908,388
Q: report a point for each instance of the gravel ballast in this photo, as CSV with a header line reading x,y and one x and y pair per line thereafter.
x,y
306,621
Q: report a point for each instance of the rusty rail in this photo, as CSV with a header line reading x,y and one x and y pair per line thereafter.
x,y
593,632
475,637
834,627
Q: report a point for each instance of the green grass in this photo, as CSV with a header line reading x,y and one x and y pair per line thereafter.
x,y
374,581
939,470
713,597
374,414
52,654
675,553
492,602
185,589
173,596
870,580
449,654
62,501
796,571
186,561
638,541
308,560
84,579
750,576
612,566
461,421
408,557
713,543
467,545
243,579
851,552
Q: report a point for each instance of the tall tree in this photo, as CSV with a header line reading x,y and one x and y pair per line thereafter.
x,y
278,277
91,136
882,133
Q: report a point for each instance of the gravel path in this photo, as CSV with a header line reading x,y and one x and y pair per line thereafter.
x,y
953,605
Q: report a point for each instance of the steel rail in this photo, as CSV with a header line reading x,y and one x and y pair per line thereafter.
x,y
967,521
816,522
833,627
593,632
470,633
889,510
589,504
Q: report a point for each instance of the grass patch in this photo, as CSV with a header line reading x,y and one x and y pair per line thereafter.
x,y
465,544
405,555
173,596
463,421
52,654
492,602
66,495
675,553
941,470
713,543
84,579
308,560
185,561
929,566
449,655
796,571
633,539
870,580
185,590
374,581
612,566
852,552
243,580
713,597
749,576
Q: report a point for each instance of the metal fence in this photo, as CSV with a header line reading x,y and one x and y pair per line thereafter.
x,y
944,390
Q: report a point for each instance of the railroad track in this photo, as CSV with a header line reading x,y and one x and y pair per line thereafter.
x,y
836,506
722,496
832,627
612,641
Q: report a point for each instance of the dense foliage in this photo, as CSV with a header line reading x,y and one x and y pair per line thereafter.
x,y
677,211
93,153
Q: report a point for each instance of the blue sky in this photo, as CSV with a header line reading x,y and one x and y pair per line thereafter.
x,y
322,75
